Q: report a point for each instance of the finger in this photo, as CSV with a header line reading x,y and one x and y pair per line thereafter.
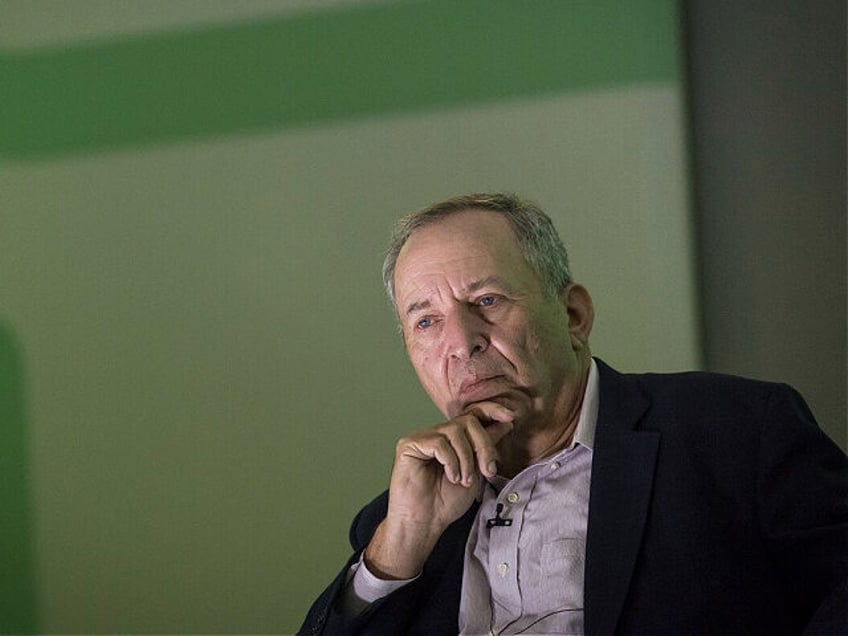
x,y
484,441
489,412
498,430
457,432
495,418
433,446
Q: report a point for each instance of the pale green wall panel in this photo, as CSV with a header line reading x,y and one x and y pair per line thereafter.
x,y
41,24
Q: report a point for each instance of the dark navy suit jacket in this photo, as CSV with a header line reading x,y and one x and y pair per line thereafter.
x,y
717,506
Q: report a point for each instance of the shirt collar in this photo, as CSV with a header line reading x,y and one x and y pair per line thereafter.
x,y
584,434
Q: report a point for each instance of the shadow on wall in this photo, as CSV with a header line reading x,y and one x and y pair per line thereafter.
x,y
17,574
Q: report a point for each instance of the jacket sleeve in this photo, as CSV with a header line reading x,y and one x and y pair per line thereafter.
x,y
388,615
428,605
324,616
802,483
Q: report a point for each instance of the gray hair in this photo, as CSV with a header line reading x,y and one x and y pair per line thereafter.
x,y
540,244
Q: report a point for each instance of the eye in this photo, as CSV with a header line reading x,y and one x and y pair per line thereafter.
x,y
486,301
424,323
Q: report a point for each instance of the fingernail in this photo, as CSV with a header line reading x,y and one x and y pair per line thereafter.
x,y
493,467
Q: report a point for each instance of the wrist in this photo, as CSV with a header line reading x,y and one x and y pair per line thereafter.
x,y
398,550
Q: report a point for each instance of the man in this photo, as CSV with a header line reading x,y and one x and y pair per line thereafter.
x,y
561,497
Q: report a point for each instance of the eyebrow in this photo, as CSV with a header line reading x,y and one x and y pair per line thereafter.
x,y
485,282
473,287
418,306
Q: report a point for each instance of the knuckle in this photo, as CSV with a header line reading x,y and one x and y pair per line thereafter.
x,y
465,420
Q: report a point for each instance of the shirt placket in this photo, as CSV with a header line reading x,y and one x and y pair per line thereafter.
x,y
507,602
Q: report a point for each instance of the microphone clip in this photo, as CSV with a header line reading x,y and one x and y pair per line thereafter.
x,y
498,520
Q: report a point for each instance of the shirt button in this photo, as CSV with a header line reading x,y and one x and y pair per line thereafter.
x,y
503,568
554,466
512,497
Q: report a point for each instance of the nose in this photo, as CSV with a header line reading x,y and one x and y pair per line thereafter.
x,y
465,335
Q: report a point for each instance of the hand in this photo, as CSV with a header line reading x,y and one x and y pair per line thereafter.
x,y
436,476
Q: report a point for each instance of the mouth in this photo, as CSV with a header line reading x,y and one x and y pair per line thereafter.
x,y
498,388
475,386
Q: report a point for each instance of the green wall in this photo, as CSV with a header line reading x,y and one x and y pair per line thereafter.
x,y
201,379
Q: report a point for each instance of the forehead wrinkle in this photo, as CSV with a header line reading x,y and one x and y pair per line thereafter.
x,y
425,265
421,296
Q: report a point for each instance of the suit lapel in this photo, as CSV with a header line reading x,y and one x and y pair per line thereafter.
x,y
622,479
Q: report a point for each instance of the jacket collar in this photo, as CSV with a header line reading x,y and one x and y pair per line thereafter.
x,y
622,480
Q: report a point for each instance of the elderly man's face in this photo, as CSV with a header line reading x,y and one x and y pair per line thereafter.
x,y
478,325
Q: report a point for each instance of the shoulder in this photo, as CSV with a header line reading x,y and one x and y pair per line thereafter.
x,y
714,396
699,412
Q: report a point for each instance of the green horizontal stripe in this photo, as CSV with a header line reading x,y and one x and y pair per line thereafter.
x,y
329,66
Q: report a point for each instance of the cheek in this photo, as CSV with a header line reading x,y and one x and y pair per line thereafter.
x,y
543,349
428,367
531,357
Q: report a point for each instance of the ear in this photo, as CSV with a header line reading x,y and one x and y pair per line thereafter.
x,y
581,314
